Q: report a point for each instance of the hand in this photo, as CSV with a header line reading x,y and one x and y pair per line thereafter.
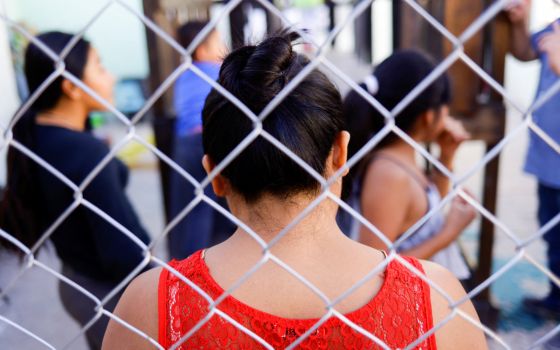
x,y
518,11
549,44
452,135
460,215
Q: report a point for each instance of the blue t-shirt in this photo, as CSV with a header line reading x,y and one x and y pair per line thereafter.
x,y
189,96
542,160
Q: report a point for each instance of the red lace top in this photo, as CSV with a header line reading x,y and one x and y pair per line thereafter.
x,y
398,315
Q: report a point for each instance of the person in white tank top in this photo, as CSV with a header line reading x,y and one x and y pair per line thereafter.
x,y
388,187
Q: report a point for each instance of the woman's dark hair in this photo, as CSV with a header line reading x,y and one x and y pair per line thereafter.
x,y
306,121
396,77
20,212
188,32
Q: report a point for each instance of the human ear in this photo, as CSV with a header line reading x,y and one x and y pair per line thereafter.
x,y
201,52
340,151
219,183
428,118
71,90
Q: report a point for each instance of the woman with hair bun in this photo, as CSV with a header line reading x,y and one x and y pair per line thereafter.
x,y
267,190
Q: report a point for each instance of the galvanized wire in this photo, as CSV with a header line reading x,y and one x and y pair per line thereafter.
x,y
318,60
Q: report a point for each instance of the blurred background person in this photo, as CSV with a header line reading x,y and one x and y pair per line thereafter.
x,y
94,253
542,160
387,186
203,226
239,18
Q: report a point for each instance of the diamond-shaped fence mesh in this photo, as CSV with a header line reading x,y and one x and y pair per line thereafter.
x,y
318,60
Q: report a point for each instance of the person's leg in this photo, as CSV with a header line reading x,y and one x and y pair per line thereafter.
x,y
193,231
180,194
82,309
549,208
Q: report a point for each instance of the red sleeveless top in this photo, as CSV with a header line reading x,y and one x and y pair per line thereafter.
x,y
397,315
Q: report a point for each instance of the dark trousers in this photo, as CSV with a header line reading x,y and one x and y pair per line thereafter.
x,y
82,308
203,226
549,207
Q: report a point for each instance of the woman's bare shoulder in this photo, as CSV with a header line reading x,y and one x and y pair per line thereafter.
x,y
384,169
382,177
458,332
138,307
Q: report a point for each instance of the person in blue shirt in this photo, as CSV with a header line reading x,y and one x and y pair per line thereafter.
x,y
203,226
543,160
190,89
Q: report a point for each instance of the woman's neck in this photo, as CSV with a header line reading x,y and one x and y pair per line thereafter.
x,y
270,216
65,115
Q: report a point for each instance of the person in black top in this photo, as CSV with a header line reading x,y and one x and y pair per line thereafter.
x,y
95,253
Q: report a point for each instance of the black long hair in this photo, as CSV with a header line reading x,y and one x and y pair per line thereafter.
x,y
20,211
396,77
306,121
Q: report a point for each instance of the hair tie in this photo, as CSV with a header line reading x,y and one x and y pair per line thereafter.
x,y
372,85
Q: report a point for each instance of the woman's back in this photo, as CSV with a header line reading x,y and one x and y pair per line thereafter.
x,y
397,314
397,307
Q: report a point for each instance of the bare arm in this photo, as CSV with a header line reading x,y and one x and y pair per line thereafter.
x,y
457,333
460,215
385,202
451,137
521,47
549,43
138,307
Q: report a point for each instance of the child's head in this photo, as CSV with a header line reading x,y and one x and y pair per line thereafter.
x,y
393,80
211,49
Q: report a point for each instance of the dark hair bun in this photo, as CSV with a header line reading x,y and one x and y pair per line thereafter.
x,y
306,121
268,67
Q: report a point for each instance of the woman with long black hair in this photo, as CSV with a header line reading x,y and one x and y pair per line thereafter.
x,y
95,254
388,186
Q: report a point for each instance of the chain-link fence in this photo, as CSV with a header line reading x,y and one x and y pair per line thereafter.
x,y
319,60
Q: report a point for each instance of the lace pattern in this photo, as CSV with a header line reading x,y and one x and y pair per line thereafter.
x,y
398,315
